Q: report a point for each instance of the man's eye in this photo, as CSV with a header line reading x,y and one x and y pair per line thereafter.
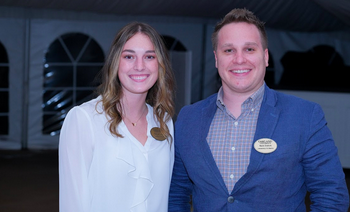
x,y
228,50
250,49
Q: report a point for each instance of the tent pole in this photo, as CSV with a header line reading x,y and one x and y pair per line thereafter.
x,y
203,56
24,135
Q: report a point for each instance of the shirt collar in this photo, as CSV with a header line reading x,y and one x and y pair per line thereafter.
x,y
256,97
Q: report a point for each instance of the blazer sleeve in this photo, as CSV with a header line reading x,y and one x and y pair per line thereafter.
x,y
181,186
325,178
75,155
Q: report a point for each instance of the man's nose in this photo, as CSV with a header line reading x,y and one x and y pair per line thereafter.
x,y
239,57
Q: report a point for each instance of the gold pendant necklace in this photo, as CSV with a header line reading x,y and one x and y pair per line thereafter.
x,y
134,124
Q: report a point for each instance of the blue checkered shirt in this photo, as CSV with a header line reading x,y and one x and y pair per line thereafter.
x,y
230,139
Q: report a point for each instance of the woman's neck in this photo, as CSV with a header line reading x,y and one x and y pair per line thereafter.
x,y
133,106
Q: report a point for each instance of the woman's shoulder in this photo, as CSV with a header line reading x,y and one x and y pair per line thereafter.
x,y
91,107
151,113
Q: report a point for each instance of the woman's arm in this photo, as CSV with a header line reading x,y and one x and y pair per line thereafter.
x,y
75,155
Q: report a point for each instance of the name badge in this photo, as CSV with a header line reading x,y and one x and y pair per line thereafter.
x,y
155,132
265,145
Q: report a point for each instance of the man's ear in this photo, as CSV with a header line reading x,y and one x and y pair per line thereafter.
x,y
266,57
216,60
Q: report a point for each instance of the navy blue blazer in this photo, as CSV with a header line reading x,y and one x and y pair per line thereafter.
x,y
306,159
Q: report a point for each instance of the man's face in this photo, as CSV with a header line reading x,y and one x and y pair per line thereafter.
x,y
240,58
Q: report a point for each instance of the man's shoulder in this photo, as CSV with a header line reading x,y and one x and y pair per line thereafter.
x,y
286,101
291,99
201,104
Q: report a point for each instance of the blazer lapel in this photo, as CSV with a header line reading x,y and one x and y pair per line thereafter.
x,y
205,122
267,121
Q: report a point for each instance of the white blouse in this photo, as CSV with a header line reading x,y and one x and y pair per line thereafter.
x,y
99,172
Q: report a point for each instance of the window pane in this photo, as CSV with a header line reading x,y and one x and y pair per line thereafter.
x,y
69,82
58,76
75,43
86,76
57,100
4,99
173,44
4,125
84,96
3,54
56,53
4,77
52,123
93,53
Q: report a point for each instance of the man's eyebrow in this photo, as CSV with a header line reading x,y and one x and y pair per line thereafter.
x,y
230,45
251,44
227,45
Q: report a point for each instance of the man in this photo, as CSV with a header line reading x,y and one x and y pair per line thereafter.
x,y
250,148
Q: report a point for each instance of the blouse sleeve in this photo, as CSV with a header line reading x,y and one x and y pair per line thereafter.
x,y
75,155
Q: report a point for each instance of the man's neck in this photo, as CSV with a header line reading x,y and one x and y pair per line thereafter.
x,y
234,103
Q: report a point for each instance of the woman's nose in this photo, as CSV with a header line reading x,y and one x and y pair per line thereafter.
x,y
139,64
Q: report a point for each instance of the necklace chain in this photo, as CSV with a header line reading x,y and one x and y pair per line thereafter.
x,y
134,124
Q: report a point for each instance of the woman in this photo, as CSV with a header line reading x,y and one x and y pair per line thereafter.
x,y
116,151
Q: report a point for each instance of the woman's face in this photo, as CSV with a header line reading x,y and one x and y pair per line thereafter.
x,y
138,66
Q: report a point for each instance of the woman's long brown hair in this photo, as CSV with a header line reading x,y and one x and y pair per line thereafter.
x,y
161,94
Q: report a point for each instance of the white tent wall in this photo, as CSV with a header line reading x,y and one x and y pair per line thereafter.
x,y
12,36
26,39
44,32
182,67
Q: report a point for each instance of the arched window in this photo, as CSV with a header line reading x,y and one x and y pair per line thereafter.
x,y
4,91
173,44
71,65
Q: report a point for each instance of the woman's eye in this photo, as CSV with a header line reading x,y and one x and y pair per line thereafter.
x,y
128,57
149,57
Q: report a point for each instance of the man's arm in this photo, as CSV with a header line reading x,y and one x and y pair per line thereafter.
x,y
180,188
325,178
